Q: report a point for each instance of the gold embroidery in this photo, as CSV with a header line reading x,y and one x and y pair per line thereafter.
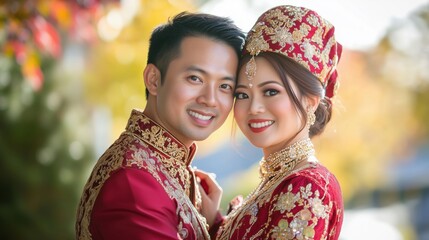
x,y
294,32
185,209
110,161
274,170
183,232
282,36
156,136
282,231
257,44
143,128
303,222
251,71
287,201
290,212
174,160
302,208
317,207
286,159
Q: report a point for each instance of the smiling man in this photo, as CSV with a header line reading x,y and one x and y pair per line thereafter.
x,y
143,186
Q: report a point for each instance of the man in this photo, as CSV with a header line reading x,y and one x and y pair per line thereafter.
x,y
143,187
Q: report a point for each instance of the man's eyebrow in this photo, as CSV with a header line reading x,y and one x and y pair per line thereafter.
x,y
197,69
202,71
229,78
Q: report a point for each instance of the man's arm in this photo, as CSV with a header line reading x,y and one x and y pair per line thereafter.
x,y
133,205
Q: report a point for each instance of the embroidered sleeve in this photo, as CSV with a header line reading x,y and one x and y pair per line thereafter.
x,y
300,210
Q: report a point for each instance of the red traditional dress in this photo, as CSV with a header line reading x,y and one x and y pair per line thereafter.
x,y
304,203
142,188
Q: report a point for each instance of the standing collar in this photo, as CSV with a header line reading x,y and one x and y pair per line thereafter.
x,y
157,136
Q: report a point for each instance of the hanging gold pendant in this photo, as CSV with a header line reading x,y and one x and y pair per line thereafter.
x,y
251,70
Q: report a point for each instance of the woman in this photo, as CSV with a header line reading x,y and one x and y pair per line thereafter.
x,y
286,81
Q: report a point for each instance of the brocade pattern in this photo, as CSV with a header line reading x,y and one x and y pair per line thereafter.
x,y
303,204
147,146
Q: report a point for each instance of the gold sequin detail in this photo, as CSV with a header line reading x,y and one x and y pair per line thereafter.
x,y
303,222
297,33
273,171
167,159
285,159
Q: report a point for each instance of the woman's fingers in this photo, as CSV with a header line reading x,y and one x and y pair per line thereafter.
x,y
208,182
210,205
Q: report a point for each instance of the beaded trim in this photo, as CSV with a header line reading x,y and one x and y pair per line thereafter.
x,y
286,159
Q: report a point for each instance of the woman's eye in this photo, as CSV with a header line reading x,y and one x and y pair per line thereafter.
x,y
271,92
241,96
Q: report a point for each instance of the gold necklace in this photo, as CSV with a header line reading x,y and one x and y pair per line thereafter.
x,y
286,159
280,164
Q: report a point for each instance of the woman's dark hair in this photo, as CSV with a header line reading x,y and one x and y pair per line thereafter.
x,y
308,85
164,44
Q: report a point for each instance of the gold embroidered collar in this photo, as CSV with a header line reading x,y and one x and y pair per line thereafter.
x,y
286,159
158,137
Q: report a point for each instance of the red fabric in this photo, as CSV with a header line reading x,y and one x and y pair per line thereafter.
x,y
276,219
298,33
217,223
140,188
332,84
127,209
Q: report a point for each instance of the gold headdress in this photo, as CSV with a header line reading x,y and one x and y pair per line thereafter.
x,y
300,34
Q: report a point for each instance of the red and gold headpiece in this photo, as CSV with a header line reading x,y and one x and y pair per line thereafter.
x,y
300,34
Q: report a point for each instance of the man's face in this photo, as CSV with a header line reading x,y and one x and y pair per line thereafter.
x,y
197,91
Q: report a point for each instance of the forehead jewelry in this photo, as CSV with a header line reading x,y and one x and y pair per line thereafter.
x,y
251,70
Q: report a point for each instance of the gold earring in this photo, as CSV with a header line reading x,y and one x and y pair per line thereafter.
x,y
311,117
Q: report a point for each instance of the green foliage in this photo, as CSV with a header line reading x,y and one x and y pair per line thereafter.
x,y
45,137
44,153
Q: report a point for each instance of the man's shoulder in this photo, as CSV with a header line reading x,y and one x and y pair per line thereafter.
x,y
130,152
135,182
133,163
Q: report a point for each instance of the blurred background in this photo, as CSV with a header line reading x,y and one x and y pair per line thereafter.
x,y
71,72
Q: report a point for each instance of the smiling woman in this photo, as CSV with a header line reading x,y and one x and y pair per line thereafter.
x,y
286,82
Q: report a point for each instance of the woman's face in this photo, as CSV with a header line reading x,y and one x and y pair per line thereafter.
x,y
265,113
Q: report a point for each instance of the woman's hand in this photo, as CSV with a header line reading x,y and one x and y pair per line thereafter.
x,y
211,195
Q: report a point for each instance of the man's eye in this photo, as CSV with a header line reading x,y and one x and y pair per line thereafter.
x,y
226,86
194,78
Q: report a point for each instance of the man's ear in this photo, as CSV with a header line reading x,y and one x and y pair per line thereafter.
x,y
152,78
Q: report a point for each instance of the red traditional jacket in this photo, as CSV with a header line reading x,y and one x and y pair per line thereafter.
x,y
306,204
142,187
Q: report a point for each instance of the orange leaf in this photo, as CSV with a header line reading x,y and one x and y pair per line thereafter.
x,y
61,12
32,72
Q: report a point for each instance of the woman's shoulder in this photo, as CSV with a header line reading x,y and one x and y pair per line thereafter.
x,y
313,189
314,181
309,202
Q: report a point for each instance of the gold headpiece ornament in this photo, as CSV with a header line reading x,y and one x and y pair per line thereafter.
x,y
300,34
